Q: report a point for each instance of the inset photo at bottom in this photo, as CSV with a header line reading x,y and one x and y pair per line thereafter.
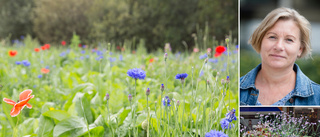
x,y
279,121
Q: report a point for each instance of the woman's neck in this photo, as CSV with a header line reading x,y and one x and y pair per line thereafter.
x,y
274,84
271,76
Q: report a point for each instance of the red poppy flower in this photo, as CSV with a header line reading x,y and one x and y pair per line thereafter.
x,y
195,50
36,49
80,45
219,51
12,53
47,46
45,71
63,43
22,102
151,60
118,47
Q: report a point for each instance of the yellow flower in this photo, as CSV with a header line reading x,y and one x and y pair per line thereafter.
x,y
51,108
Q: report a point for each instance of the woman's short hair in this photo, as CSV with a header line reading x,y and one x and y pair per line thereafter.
x,y
283,14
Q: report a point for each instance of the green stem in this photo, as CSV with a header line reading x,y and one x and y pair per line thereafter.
x,y
147,117
184,106
160,114
191,106
135,87
84,114
131,119
16,128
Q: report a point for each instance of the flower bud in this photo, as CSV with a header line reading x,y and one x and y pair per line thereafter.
x,y
165,56
130,97
144,125
227,80
227,40
107,96
148,92
162,87
178,103
223,81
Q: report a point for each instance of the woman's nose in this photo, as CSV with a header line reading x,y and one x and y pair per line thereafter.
x,y
279,45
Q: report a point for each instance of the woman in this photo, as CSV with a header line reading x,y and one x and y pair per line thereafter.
x,y
281,38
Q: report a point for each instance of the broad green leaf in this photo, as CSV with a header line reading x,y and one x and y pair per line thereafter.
x,y
46,107
72,110
95,101
140,119
123,115
94,132
83,108
46,127
56,114
73,126
154,123
26,127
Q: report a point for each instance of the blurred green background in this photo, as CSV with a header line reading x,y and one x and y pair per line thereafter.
x,y
252,13
157,21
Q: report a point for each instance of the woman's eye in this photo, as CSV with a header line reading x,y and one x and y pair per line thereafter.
x,y
290,40
272,37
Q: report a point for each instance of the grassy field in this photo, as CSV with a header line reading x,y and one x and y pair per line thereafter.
x,y
70,100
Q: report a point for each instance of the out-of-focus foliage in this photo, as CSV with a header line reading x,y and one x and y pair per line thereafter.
x,y
15,18
57,20
156,21
310,67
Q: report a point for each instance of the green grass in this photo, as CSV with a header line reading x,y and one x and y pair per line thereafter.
x,y
70,99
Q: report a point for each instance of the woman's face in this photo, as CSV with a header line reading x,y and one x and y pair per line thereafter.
x,y
281,45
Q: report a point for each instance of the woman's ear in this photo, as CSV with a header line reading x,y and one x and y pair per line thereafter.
x,y
300,51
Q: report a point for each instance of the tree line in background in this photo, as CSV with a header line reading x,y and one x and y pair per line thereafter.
x,y
157,21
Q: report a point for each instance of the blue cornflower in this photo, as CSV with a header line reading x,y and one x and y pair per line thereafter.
x,y
201,73
112,59
83,52
235,51
18,62
99,58
136,73
81,58
213,60
166,101
47,67
99,53
181,76
26,63
120,57
22,37
62,54
203,56
39,76
231,115
237,46
225,124
214,133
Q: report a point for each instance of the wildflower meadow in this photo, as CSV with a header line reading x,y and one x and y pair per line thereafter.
x,y
107,89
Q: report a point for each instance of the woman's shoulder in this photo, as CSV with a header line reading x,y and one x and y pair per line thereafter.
x,y
315,86
248,79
